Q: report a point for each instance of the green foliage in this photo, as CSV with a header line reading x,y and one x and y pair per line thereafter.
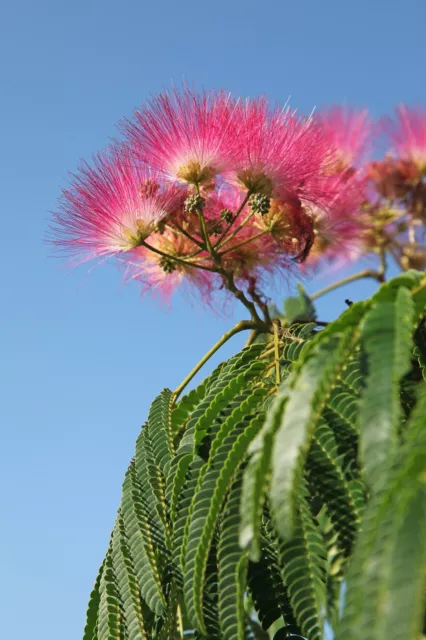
x,y
303,560
247,506
232,568
299,308
387,339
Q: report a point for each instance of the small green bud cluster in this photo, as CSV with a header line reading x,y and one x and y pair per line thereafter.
x,y
260,203
194,203
167,264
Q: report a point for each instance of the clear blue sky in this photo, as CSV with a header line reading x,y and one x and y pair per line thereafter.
x,y
82,357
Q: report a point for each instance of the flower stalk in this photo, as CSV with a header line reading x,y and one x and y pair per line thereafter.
x,y
243,325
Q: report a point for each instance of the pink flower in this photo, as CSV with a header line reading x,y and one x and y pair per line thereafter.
x,y
340,228
277,153
348,133
112,206
186,135
408,135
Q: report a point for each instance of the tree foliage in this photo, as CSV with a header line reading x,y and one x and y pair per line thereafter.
x,y
249,503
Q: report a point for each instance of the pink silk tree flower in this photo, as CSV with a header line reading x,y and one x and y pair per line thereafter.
x,y
277,152
349,135
340,229
112,206
185,135
408,135
394,178
162,275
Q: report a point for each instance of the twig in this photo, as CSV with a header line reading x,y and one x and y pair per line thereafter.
x,y
366,273
243,325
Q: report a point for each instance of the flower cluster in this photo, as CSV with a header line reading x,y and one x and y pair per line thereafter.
x,y
396,206
222,193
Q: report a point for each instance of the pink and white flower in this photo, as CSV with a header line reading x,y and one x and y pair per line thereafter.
x,y
408,135
185,135
349,135
112,206
340,228
277,153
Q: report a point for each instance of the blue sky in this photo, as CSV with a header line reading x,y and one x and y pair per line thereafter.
x,y
83,356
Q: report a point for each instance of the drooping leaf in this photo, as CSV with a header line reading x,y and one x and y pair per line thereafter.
x,y
309,388
161,430
90,630
335,567
387,339
420,350
343,495
257,475
188,403
141,544
304,570
387,575
110,617
256,480
227,387
184,506
222,467
232,569
127,584
151,477
266,584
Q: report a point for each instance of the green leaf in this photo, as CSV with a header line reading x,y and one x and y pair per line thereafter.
x,y
420,350
335,566
150,476
232,569
222,467
90,630
299,308
176,481
343,496
266,585
184,505
188,402
387,339
110,617
309,388
253,631
387,575
227,387
304,570
128,584
141,543
256,480
160,429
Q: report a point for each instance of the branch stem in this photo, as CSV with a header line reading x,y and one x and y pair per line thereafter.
x,y
176,259
241,244
186,234
243,325
237,213
221,244
365,273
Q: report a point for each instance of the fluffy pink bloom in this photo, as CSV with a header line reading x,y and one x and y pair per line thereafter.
x,y
111,206
348,132
186,135
340,228
162,276
278,153
408,134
